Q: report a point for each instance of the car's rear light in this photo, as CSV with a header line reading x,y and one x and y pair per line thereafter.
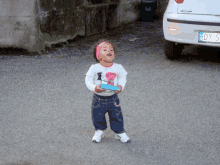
x,y
179,1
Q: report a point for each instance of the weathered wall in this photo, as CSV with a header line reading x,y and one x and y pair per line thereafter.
x,y
61,20
129,10
161,7
125,11
18,26
53,21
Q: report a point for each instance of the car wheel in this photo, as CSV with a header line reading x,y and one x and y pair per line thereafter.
x,y
173,51
218,52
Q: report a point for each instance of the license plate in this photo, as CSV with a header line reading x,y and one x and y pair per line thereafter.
x,y
209,37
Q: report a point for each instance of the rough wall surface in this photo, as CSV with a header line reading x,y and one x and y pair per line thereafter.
x,y
129,10
30,24
161,8
18,26
61,20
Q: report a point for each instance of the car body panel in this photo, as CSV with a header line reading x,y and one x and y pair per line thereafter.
x,y
172,7
199,7
188,26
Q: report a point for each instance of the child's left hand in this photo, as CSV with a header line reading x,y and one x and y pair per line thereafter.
x,y
119,90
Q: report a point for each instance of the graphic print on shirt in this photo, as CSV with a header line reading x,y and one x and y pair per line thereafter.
x,y
99,76
110,76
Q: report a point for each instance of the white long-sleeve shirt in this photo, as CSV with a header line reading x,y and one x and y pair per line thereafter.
x,y
116,72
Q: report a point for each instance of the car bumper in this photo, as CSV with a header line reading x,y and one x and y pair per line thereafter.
x,y
177,28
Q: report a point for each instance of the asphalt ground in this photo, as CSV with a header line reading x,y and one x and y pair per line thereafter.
x,y
170,108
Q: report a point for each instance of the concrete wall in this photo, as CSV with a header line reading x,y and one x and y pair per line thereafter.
x,y
42,23
18,24
129,10
161,7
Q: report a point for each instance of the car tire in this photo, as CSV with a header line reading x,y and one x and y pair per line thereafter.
x,y
218,53
173,51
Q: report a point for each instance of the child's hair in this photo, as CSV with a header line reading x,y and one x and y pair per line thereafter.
x,y
100,41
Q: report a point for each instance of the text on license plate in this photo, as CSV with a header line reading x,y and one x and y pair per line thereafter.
x,y
209,37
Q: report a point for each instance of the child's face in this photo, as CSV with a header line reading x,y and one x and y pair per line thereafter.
x,y
107,52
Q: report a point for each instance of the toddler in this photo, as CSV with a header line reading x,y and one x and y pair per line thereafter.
x,y
106,100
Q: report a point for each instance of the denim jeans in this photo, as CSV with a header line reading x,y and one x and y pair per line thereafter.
x,y
111,104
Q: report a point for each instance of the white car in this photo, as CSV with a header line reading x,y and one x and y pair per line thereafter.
x,y
187,22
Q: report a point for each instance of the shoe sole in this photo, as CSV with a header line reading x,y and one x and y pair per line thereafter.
x,y
119,138
100,140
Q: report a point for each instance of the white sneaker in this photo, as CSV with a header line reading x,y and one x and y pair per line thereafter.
x,y
99,134
123,137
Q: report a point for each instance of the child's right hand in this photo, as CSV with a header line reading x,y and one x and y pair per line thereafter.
x,y
99,89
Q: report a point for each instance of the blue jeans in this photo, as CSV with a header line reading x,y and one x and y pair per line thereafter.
x,y
110,104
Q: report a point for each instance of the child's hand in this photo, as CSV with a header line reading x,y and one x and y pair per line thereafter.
x,y
118,91
99,89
